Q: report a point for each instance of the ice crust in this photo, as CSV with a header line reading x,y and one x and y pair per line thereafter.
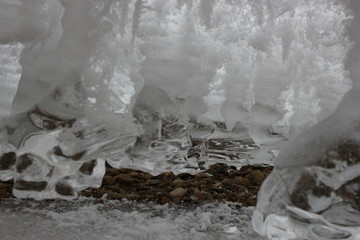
x,y
161,85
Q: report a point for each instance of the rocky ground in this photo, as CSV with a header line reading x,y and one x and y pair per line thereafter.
x,y
220,183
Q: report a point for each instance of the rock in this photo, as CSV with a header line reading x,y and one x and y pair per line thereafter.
x,y
7,160
99,201
218,169
256,177
226,184
178,192
84,193
88,167
124,178
134,174
202,175
169,174
5,193
116,195
114,188
177,200
112,171
133,196
241,181
164,200
178,181
145,175
107,180
218,184
185,176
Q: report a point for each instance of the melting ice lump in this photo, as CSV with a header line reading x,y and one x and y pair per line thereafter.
x,y
314,190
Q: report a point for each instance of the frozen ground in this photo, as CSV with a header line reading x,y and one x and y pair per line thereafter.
x,y
82,219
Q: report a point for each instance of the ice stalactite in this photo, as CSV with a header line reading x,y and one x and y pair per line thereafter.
x,y
206,10
124,15
139,4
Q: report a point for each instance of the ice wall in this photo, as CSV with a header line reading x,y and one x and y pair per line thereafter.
x,y
153,84
313,191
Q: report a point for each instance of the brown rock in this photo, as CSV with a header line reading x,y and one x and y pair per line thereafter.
x,y
124,178
168,174
4,193
256,177
177,200
107,180
146,175
114,188
84,193
133,196
178,181
178,192
241,181
7,160
88,167
116,195
112,171
164,200
134,174
202,175
64,189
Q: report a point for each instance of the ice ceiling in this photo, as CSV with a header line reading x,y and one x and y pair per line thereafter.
x,y
175,85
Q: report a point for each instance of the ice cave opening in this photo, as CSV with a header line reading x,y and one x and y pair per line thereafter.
x,y
177,85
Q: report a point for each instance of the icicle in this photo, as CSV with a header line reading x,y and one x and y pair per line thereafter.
x,y
124,4
206,9
287,37
139,4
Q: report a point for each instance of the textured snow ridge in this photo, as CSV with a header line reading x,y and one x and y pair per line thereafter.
x,y
123,220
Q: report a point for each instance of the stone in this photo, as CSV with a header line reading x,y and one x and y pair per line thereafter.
x,y
108,180
241,181
178,192
124,178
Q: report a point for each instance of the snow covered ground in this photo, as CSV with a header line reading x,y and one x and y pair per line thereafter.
x,y
125,220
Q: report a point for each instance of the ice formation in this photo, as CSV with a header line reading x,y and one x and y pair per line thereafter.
x,y
314,190
159,85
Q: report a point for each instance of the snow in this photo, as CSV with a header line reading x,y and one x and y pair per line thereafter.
x,y
125,220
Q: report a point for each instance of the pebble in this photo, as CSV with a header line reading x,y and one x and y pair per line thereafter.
x,y
178,192
256,177
178,181
107,180
218,184
125,178
241,181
